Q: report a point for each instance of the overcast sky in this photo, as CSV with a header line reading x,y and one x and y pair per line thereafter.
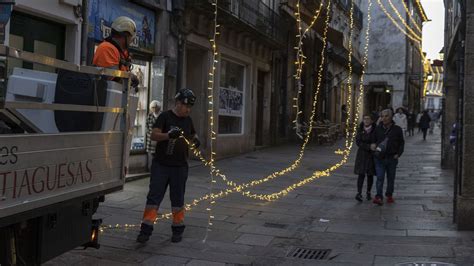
x,y
433,31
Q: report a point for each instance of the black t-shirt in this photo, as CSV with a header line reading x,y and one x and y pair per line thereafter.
x,y
173,152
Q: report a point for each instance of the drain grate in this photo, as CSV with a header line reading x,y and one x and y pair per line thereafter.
x,y
275,225
309,254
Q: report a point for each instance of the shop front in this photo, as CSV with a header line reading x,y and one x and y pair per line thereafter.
x,y
147,66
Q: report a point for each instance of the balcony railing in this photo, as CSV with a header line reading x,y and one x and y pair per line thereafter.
x,y
257,15
253,13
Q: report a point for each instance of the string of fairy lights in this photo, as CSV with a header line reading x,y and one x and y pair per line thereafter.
x,y
300,57
420,7
240,188
436,86
213,196
329,170
404,22
415,22
349,79
212,132
416,39
237,188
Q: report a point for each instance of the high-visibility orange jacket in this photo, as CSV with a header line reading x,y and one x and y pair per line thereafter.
x,y
109,56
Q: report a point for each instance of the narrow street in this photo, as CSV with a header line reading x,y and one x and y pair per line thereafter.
x,y
322,215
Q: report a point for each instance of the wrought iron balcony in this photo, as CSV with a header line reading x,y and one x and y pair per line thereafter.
x,y
253,13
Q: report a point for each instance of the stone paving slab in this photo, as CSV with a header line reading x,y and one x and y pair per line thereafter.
x,y
321,215
160,260
254,240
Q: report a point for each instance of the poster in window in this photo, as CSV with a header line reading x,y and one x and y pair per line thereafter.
x,y
230,102
102,13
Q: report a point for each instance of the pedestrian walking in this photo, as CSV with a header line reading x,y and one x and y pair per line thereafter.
x,y
344,115
418,117
388,147
170,166
364,163
433,118
400,119
155,111
411,118
425,123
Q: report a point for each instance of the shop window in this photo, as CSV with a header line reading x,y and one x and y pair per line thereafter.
x,y
142,70
231,98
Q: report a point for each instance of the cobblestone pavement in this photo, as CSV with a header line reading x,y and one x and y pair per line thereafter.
x,y
321,215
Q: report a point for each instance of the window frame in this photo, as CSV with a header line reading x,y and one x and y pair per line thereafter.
x,y
244,94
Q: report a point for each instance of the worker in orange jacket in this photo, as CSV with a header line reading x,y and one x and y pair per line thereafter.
x,y
113,51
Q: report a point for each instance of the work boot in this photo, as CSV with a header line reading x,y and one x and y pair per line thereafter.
x,y
145,233
177,233
143,238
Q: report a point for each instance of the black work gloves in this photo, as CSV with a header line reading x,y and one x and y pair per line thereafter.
x,y
174,133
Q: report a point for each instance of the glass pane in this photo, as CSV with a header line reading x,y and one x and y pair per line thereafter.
x,y
15,42
142,70
231,97
232,75
230,125
47,49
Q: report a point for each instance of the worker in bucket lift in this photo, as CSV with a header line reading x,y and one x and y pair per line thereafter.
x,y
113,51
170,167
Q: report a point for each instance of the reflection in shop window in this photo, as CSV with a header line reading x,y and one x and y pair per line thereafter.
x,y
142,70
231,98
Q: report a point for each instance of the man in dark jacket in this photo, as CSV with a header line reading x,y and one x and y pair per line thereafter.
x,y
425,123
411,117
388,148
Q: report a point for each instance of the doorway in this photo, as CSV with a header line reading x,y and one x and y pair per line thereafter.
x,y
378,96
260,108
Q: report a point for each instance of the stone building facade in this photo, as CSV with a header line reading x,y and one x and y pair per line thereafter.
x,y
458,107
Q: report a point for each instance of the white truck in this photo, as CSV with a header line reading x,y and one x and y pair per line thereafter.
x,y
65,144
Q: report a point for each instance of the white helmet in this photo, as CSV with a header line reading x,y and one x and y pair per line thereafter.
x,y
125,24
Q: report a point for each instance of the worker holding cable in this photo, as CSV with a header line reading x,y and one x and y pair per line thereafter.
x,y
170,166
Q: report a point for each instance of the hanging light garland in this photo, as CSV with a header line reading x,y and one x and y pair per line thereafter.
x,y
420,7
300,57
273,196
415,23
415,38
404,22
212,131
349,80
240,188
327,172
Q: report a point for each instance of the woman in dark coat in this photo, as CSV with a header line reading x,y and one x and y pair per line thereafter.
x,y
425,123
364,164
